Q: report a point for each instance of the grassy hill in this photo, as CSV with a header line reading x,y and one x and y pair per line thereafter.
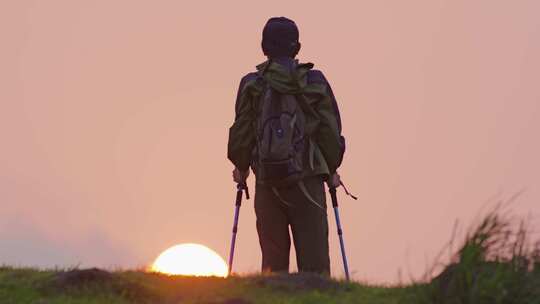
x,y
495,263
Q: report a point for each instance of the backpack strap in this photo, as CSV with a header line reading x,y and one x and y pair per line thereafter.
x,y
347,191
302,187
304,190
276,192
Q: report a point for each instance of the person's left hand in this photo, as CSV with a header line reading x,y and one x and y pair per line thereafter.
x,y
240,177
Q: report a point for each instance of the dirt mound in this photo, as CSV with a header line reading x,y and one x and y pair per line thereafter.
x,y
231,301
94,280
78,278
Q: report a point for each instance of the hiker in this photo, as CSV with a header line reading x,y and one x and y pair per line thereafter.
x,y
287,128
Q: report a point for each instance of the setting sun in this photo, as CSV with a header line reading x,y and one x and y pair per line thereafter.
x,y
190,259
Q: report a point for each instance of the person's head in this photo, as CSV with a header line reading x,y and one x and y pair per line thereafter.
x,y
280,38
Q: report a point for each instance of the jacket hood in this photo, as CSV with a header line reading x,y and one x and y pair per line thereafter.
x,y
286,76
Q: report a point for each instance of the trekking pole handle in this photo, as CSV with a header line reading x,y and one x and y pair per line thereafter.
x,y
242,187
333,195
238,196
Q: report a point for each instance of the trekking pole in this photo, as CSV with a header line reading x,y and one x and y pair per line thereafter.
x,y
241,187
339,231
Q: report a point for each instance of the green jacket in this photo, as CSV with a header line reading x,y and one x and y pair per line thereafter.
x,y
323,124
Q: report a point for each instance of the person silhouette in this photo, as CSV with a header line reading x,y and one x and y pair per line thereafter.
x,y
287,128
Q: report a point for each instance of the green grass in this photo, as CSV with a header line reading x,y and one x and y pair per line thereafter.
x,y
496,263
35,286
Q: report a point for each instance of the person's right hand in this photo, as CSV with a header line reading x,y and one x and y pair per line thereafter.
x,y
334,180
240,177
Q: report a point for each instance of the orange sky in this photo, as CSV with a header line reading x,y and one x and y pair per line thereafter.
x,y
114,118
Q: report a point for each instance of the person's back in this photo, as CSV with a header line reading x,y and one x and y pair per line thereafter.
x,y
289,185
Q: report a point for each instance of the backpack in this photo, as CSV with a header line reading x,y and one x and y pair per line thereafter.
x,y
280,138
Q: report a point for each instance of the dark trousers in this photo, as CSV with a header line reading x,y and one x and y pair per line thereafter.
x,y
308,221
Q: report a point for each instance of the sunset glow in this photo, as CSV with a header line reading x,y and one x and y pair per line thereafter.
x,y
190,259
